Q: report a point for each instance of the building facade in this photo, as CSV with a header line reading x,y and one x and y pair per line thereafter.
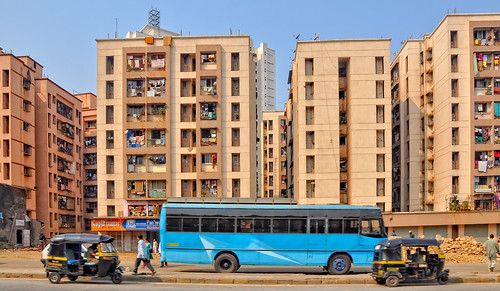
x,y
89,157
175,119
59,138
445,134
273,153
17,89
341,146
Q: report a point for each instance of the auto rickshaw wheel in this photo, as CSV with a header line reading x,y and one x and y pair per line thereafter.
x,y
54,277
380,281
392,281
72,278
116,278
442,280
339,264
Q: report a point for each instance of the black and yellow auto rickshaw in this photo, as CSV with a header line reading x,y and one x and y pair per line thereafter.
x,y
80,254
408,260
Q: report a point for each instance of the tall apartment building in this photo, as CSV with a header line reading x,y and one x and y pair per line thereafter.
x,y
59,159
446,152
274,155
341,146
265,96
17,89
89,158
175,119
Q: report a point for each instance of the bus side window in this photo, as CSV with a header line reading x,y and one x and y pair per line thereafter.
x,y
334,225
298,225
173,224
244,225
280,225
316,226
262,225
376,229
365,227
225,225
351,226
190,224
209,224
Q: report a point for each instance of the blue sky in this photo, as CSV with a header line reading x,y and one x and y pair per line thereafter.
x,y
61,35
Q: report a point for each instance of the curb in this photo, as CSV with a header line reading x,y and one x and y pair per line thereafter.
x,y
246,281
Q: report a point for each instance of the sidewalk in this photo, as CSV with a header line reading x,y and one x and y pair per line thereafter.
x,y
257,275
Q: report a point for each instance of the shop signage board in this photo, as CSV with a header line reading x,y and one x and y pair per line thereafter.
x,y
115,224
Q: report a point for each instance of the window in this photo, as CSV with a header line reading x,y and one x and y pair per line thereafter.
x,y
454,136
6,102
317,226
25,126
236,162
91,124
380,138
454,185
110,189
309,164
310,188
6,171
454,112
236,188
371,228
235,61
309,139
110,90
380,89
379,65
309,70
110,64
380,162
110,164
454,88
110,139
5,78
454,160
235,137
156,88
309,90
235,86
380,187
135,62
6,147
235,111
309,115
342,140
109,114
135,88
270,125
454,63
110,210
380,113
453,39
351,226
6,125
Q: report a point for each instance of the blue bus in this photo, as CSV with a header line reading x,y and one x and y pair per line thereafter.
x,y
228,236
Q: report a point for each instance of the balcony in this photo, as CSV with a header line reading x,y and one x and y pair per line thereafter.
x,y
483,188
135,88
135,62
209,188
208,137
208,86
91,175
208,111
64,110
67,129
156,62
156,88
482,135
136,189
208,61
67,221
135,138
89,159
89,142
135,113
156,112
157,138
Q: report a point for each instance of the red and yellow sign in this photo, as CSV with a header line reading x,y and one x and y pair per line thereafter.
x,y
108,224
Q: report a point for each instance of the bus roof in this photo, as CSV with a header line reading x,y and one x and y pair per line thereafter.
x,y
267,206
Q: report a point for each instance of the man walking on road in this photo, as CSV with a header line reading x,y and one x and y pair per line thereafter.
x,y
492,250
141,256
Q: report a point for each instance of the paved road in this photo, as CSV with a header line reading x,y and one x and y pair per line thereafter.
x,y
96,285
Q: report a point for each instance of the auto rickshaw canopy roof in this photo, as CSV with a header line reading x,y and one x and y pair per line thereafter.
x,y
80,238
409,242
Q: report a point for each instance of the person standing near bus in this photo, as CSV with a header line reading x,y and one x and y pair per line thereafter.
x,y
155,246
163,262
141,256
492,250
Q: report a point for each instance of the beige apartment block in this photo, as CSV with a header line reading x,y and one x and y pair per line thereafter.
x,y
274,154
59,159
89,158
340,109
175,118
446,152
17,146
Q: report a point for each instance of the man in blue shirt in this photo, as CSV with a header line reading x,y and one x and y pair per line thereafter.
x,y
141,256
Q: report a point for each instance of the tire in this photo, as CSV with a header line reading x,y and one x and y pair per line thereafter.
x,y
54,277
116,278
392,281
339,264
380,281
226,263
72,278
443,280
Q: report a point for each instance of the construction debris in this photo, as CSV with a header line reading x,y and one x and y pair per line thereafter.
x,y
463,250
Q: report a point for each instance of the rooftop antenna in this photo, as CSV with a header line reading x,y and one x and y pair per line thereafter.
x,y
154,17
116,27
316,37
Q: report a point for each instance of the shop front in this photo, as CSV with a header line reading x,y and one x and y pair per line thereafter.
x,y
125,230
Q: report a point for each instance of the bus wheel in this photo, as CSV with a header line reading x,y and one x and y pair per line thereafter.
x,y
339,264
226,263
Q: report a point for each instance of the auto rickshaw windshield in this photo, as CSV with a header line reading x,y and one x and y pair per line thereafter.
x,y
107,248
389,254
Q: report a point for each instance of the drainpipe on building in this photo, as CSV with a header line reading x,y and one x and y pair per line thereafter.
x,y
12,228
